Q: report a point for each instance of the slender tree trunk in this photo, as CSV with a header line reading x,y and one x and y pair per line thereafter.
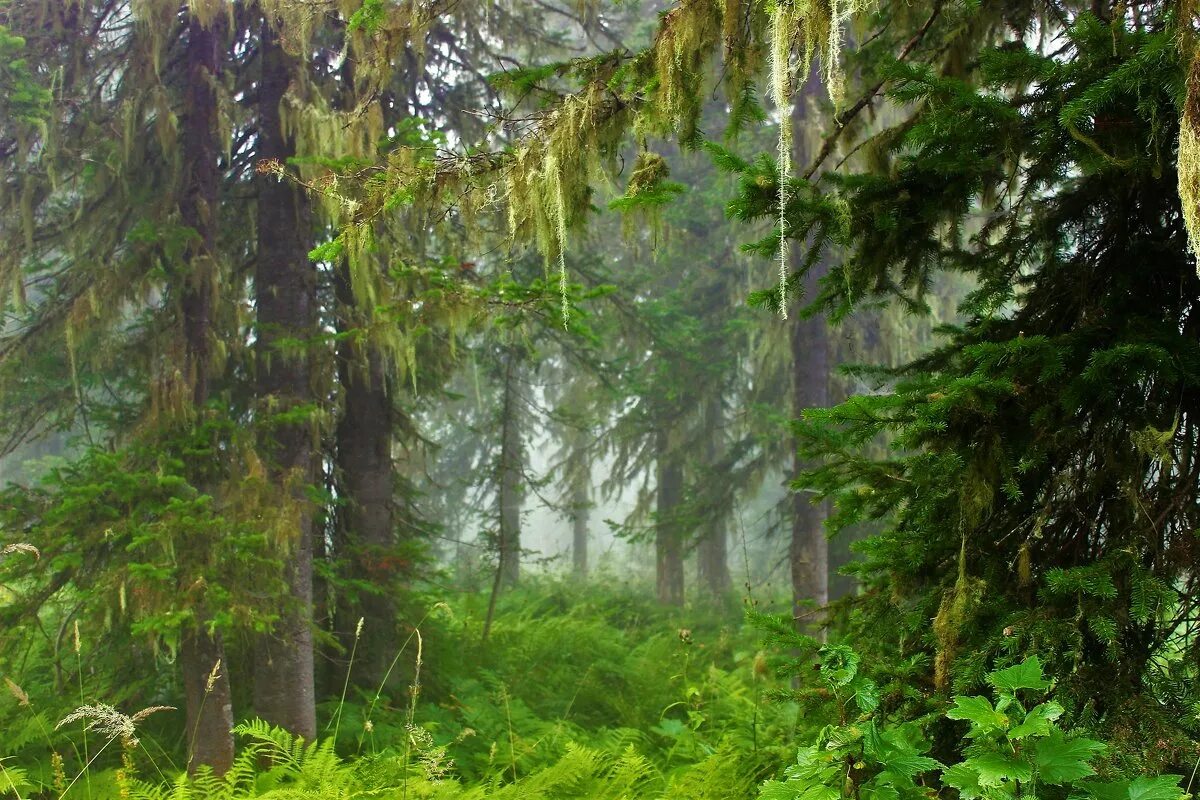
x,y
712,556
285,296
511,468
580,512
809,549
668,538
209,707
365,485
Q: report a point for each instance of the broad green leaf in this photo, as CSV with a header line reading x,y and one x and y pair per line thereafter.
x,y
1026,675
997,768
1037,722
778,790
866,695
819,792
841,736
965,779
979,711
1100,790
669,727
839,664
1162,787
873,744
1060,760
911,765
880,792
808,759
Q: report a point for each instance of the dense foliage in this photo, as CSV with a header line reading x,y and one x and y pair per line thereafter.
x,y
318,318
575,691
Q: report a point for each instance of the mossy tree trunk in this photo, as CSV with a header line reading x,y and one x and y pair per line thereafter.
x,y
208,702
808,553
285,296
366,520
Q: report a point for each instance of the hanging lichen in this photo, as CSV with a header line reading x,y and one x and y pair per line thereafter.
x,y
545,179
783,24
560,234
1188,165
647,193
954,614
815,29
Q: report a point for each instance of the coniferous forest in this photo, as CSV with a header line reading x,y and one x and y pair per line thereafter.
x,y
605,399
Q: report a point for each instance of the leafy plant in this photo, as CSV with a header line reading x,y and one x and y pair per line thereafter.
x,y
1014,747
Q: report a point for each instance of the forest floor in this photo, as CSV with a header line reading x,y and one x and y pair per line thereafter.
x,y
576,693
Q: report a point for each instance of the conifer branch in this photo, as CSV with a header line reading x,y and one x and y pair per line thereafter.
x,y
842,120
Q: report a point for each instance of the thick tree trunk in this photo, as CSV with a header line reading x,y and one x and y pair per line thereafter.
x,y
365,486
285,296
580,512
668,538
511,469
809,550
208,701
209,708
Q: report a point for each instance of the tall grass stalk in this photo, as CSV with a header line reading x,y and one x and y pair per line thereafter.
x,y
85,772
82,702
209,685
414,691
346,683
392,666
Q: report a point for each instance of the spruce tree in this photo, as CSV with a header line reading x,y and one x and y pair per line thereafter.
x,y
1040,494
285,283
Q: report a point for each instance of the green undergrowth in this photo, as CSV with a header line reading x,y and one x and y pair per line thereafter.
x,y
595,692
576,692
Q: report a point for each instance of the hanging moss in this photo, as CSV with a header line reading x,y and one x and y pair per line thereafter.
x,y
1189,156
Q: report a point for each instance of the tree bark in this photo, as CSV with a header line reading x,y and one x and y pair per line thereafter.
x,y
285,296
365,481
511,469
208,700
580,512
668,539
209,707
809,549
712,556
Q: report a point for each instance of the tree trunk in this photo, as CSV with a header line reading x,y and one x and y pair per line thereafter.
x,y
580,511
365,486
809,549
209,707
207,699
285,296
511,468
668,539
712,556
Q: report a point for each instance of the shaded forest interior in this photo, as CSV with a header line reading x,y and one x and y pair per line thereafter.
x,y
581,398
